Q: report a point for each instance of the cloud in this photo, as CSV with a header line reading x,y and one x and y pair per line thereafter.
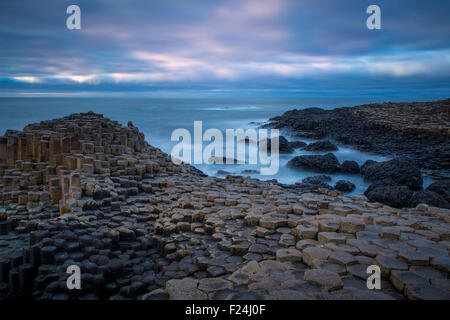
x,y
27,79
265,45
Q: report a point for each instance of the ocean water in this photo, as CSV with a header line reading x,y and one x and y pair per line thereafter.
x,y
158,118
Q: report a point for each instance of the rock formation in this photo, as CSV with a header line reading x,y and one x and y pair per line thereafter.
x,y
84,190
419,131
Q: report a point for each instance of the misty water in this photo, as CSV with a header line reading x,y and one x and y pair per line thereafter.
x,y
158,118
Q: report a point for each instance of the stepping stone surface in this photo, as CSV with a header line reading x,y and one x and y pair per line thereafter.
x,y
326,279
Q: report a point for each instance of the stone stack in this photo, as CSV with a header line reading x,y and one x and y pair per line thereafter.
x,y
41,158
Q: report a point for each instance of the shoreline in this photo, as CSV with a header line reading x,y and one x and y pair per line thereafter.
x,y
414,130
415,135
85,190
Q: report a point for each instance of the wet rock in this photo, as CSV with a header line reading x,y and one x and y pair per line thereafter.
x,y
387,128
319,180
321,163
390,193
297,144
442,188
344,186
430,198
401,171
349,167
323,145
284,146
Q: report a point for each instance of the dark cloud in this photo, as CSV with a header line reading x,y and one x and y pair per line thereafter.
x,y
308,46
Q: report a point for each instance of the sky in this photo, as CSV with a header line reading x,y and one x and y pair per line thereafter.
x,y
225,48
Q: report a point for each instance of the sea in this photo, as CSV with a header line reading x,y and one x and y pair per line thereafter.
x,y
158,118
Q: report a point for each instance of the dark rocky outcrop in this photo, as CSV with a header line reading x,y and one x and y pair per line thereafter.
x,y
430,198
419,130
320,181
442,188
350,167
321,163
297,144
344,186
389,192
401,171
284,146
323,145
317,179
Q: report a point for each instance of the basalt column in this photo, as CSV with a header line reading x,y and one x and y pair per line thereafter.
x,y
3,143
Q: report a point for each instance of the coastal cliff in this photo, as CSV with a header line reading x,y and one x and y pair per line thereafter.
x,y
84,190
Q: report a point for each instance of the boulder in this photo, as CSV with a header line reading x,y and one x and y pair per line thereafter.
x,y
401,171
317,179
442,188
344,186
350,167
430,198
322,163
324,145
284,146
297,144
390,193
